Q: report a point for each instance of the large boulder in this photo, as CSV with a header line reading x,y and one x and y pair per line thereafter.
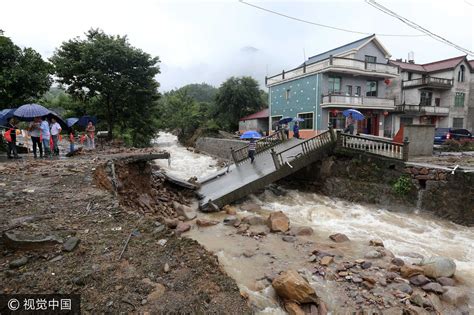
x,y
278,222
455,296
436,267
293,287
339,238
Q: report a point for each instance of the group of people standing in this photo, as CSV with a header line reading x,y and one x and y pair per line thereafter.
x,y
42,134
45,136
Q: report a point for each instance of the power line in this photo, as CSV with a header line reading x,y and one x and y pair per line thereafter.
x,y
418,27
467,2
322,25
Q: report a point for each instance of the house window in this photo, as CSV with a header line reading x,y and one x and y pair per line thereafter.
x,y
437,101
461,74
287,94
409,76
459,99
308,120
357,91
274,121
425,98
370,59
334,85
371,88
349,89
406,121
458,122
337,120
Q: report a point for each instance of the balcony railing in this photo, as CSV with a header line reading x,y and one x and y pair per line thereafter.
x,y
424,110
335,63
429,81
362,101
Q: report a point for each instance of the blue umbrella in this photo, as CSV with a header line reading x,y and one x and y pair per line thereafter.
x,y
285,120
298,119
29,111
5,115
251,134
84,120
355,114
71,121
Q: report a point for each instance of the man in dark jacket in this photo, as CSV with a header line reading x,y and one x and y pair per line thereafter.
x,y
12,152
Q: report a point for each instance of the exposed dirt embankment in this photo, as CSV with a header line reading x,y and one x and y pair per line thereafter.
x,y
109,245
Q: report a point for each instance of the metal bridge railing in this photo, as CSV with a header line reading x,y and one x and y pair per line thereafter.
x,y
241,154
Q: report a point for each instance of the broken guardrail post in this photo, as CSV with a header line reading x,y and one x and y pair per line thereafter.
x,y
405,149
338,138
275,159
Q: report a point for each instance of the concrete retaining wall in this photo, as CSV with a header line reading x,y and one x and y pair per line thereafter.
x,y
219,147
421,139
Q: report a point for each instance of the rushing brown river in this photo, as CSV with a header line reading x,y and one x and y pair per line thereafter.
x,y
409,235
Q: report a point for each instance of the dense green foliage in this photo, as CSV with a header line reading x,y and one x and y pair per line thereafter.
x,y
188,109
236,98
116,80
24,75
402,185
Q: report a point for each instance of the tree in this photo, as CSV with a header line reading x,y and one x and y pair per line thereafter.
x,y
200,92
236,98
24,75
117,76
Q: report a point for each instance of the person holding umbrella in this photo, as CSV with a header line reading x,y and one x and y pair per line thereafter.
x,y
90,135
296,130
35,134
252,147
349,124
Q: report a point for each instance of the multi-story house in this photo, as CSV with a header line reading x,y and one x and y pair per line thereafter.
x,y
357,75
434,93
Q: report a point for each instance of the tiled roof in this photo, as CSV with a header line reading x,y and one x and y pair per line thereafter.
x,y
471,62
338,50
432,66
260,114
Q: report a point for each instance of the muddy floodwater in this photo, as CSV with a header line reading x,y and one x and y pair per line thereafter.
x,y
407,234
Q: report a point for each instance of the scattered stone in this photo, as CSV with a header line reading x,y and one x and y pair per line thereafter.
x,y
403,287
22,241
366,265
302,231
171,223
293,308
160,228
446,282
408,271
289,238
357,279
312,258
417,299
256,230
237,223
419,280
291,286
17,263
230,220
70,244
156,294
373,254
455,296
181,228
242,228
278,222
206,223
393,268
433,287
229,210
398,262
166,268
248,253
339,238
391,275
162,242
376,243
436,267
57,258
254,220
326,260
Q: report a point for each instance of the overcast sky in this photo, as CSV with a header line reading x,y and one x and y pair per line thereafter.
x,y
208,41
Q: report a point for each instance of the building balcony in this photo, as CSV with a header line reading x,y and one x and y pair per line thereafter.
x,y
420,110
336,64
334,101
428,82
